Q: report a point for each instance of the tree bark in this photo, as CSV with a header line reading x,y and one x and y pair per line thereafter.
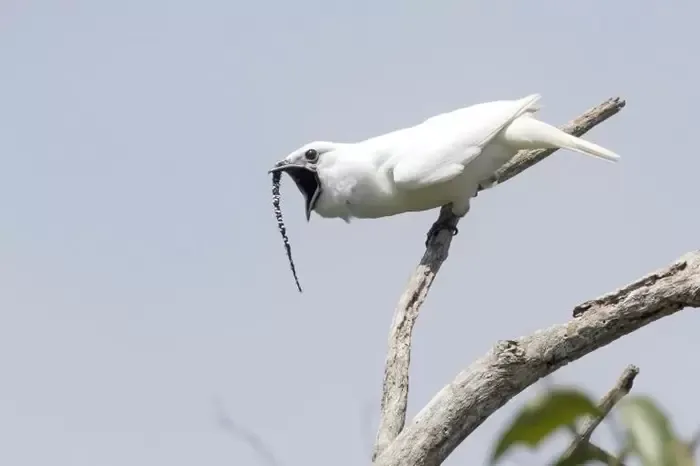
x,y
513,365
396,373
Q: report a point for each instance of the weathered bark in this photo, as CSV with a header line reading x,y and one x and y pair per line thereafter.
x,y
513,365
396,373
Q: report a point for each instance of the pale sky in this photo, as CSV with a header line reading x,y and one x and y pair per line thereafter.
x,y
142,275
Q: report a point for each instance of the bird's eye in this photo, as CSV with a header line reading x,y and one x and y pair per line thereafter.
x,y
311,155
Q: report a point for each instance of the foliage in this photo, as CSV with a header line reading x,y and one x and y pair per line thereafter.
x,y
543,416
649,436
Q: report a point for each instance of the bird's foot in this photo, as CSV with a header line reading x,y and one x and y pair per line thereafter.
x,y
440,224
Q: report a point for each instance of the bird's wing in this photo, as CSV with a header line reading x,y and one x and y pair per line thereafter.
x,y
441,147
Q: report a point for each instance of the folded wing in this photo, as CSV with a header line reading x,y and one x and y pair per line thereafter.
x,y
438,149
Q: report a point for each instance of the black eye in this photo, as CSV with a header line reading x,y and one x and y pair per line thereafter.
x,y
311,155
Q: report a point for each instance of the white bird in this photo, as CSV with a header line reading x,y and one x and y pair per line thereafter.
x,y
444,160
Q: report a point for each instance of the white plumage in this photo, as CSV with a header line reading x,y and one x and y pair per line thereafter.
x,y
440,161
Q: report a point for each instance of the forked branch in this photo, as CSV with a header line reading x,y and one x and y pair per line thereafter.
x,y
396,372
513,365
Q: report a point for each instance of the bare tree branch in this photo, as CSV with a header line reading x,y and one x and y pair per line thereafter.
x,y
248,437
621,388
395,386
513,365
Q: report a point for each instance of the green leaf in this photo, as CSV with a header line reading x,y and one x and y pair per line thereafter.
x,y
540,418
649,432
583,455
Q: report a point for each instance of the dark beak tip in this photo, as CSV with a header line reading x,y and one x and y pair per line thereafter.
x,y
277,166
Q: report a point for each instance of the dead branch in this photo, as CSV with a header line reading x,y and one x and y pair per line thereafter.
x,y
396,372
621,388
245,435
513,365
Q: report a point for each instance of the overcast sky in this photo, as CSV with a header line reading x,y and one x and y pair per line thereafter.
x,y
142,275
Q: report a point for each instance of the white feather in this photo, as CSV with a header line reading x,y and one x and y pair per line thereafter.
x,y
439,161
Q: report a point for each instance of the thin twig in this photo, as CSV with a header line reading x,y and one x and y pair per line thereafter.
x,y
512,366
621,388
396,372
248,437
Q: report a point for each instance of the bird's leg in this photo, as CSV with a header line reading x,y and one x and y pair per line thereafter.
x,y
437,227
446,221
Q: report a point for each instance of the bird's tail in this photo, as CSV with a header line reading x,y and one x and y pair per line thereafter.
x,y
528,133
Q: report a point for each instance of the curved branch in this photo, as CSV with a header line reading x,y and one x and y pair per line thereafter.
x,y
395,386
512,366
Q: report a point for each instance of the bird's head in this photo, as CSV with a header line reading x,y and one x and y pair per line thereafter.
x,y
303,166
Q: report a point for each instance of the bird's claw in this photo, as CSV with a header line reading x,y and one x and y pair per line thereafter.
x,y
435,229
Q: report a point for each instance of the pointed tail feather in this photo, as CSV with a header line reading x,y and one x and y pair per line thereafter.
x,y
528,133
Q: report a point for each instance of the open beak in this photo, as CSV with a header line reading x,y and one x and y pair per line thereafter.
x,y
306,179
